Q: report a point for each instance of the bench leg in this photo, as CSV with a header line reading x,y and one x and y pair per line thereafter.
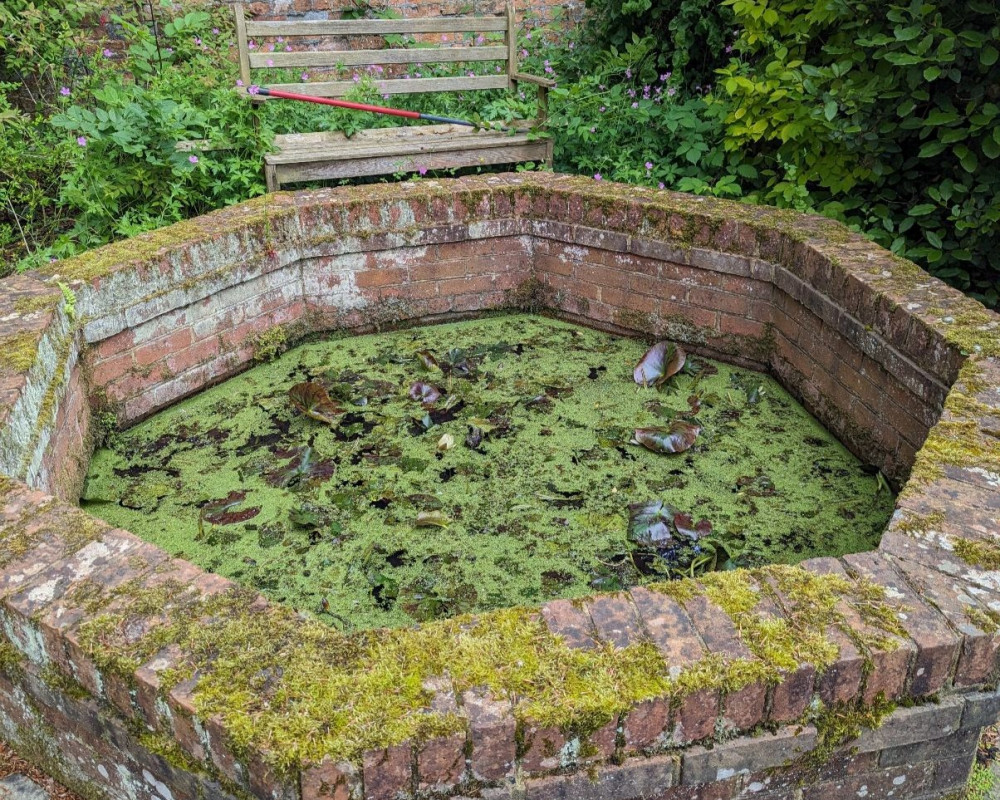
x,y
548,152
271,178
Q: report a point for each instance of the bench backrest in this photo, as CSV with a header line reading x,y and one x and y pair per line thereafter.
x,y
247,30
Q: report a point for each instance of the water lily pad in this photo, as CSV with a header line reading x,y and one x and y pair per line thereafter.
x,y
686,526
427,360
675,439
224,512
312,400
432,519
661,361
424,392
651,523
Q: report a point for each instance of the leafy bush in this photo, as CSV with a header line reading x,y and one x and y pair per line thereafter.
x,y
689,37
882,114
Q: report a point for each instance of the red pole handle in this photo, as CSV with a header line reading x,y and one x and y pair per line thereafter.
x,y
326,101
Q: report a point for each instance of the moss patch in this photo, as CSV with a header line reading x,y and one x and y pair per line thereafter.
x,y
20,351
379,520
300,690
977,553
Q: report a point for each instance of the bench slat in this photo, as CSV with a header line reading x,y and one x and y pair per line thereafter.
x,y
348,58
396,86
376,27
332,149
515,152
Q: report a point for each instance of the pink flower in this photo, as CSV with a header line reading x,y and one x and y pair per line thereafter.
x,y
729,48
356,78
197,40
649,166
524,54
603,109
81,140
671,91
254,90
270,62
628,72
422,170
239,82
635,105
480,39
106,53
193,159
304,76
270,48
444,37
64,91
281,38
597,176
662,186
251,45
215,31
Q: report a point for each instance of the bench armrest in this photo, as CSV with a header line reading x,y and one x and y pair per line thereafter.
x,y
548,83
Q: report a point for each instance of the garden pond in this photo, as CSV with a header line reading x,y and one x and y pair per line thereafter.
x,y
396,477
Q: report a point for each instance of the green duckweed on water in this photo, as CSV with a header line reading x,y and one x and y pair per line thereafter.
x,y
510,488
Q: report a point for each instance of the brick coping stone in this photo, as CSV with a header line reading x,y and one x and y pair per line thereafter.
x,y
128,673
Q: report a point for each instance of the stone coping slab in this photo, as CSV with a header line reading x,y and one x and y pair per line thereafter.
x,y
191,675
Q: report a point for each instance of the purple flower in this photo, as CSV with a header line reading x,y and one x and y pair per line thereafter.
x,y
649,166
665,76
524,54
729,48
281,38
603,109
480,39
270,62
498,68
215,31
106,53
572,45
671,91
64,91
193,159
239,82
422,170
81,140
628,72
444,37
549,70
304,76
635,105
251,45
528,35
197,40
597,176
254,90
356,78
631,92
270,48
593,129
662,186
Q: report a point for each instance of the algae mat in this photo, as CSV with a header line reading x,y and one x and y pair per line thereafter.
x,y
476,465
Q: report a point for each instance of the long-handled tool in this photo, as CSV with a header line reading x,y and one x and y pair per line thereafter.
x,y
326,101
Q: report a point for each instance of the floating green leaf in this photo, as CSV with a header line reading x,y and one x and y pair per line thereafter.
x,y
432,519
660,362
312,400
675,439
650,523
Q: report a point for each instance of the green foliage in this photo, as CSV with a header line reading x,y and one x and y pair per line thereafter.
x,y
691,37
882,114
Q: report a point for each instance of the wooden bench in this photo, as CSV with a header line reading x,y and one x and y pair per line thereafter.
x,y
406,148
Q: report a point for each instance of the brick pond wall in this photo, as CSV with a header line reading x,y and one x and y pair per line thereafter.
x,y
132,674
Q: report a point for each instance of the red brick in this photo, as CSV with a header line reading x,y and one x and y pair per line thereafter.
x,y
937,645
159,349
388,772
739,326
111,369
645,723
491,730
542,749
616,620
694,718
440,762
329,780
571,622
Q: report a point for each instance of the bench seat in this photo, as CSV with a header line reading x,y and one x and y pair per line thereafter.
x,y
331,155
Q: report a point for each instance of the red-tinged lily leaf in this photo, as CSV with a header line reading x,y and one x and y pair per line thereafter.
x,y
424,392
661,361
432,519
686,526
300,467
650,523
223,511
312,400
675,439
427,359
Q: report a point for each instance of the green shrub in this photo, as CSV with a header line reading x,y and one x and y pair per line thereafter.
x,y
882,114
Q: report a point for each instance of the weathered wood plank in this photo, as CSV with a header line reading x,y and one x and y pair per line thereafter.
x,y
397,85
347,58
301,151
389,164
511,40
241,40
377,27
